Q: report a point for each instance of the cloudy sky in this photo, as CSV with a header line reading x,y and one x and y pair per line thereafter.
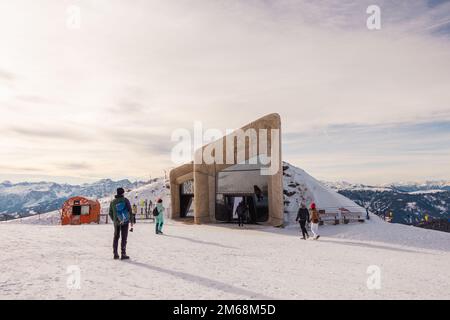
x,y
101,100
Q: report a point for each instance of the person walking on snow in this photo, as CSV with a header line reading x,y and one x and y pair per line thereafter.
x,y
302,218
150,204
142,207
134,213
150,209
314,218
159,209
120,213
146,208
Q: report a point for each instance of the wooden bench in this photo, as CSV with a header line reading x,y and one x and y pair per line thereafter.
x,y
352,216
328,217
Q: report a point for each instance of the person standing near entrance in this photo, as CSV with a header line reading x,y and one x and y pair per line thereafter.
x,y
120,213
302,218
158,212
241,211
314,218
246,213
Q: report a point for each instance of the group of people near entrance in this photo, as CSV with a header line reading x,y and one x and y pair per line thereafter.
x,y
311,216
122,214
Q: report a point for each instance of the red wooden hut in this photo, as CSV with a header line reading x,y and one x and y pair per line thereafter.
x,y
80,210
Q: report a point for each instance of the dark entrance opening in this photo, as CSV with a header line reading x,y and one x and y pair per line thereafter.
x,y
226,205
186,197
185,205
242,182
76,210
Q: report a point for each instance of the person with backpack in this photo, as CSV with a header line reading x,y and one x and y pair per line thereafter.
x,y
302,218
158,213
314,218
120,213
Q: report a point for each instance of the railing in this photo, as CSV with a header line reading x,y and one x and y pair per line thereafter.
x,y
141,217
337,216
435,224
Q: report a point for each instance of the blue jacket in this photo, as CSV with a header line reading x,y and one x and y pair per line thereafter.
x,y
113,210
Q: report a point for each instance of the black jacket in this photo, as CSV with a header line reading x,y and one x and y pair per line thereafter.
x,y
241,210
303,214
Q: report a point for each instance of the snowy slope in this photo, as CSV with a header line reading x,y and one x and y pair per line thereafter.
x,y
49,218
158,189
154,191
300,187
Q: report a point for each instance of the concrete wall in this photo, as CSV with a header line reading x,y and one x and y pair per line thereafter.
x,y
177,176
204,175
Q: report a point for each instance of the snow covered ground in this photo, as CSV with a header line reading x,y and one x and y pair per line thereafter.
x,y
41,258
224,262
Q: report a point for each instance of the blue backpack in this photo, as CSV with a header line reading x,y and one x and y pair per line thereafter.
x,y
122,212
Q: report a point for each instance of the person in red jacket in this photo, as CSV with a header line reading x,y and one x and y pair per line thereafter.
x,y
314,217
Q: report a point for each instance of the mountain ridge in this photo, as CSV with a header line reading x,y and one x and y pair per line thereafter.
x,y
23,199
409,202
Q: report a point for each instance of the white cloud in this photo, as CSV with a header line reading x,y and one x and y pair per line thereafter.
x,y
226,63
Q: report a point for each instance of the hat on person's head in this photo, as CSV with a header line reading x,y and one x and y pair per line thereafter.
x,y
313,205
120,191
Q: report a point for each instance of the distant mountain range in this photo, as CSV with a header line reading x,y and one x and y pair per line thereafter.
x,y
28,198
409,202
441,185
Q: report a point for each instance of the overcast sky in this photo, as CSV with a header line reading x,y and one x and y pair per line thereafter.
x,y
370,106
